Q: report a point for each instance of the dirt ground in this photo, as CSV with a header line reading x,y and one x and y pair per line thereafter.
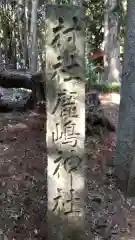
x,y
23,183
22,176
112,215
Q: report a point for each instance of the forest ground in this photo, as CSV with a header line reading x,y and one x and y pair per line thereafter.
x,y
22,179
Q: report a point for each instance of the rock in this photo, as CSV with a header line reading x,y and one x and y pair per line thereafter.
x,y
17,126
97,198
15,99
103,227
95,118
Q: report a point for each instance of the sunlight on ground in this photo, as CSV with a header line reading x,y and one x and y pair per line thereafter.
x,y
110,98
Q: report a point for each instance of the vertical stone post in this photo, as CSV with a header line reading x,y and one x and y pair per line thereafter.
x,y
65,90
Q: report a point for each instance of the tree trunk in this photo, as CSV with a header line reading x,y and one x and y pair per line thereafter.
x,y
33,36
111,42
125,170
13,40
26,35
106,42
0,40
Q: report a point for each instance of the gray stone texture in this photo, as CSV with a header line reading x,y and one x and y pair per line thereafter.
x,y
65,72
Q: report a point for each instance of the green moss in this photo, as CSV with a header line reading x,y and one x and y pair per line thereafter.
x,y
106,88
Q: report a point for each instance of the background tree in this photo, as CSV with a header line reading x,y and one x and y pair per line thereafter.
x,y
125,162
23,30
111,41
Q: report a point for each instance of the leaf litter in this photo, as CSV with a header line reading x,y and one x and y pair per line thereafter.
x,y
23,198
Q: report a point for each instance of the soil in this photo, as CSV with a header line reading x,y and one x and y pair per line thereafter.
x,y
111,213
22,176
23,179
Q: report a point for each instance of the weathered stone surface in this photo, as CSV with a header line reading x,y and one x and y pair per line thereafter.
x,y
13,98
65,72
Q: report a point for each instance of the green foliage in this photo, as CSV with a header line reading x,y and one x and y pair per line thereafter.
x,y
94,17
94,23
14,26
94,75
106,88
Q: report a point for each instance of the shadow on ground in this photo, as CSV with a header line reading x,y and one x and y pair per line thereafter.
x,y
22,176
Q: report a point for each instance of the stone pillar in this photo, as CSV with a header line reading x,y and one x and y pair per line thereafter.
x,y
65,90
